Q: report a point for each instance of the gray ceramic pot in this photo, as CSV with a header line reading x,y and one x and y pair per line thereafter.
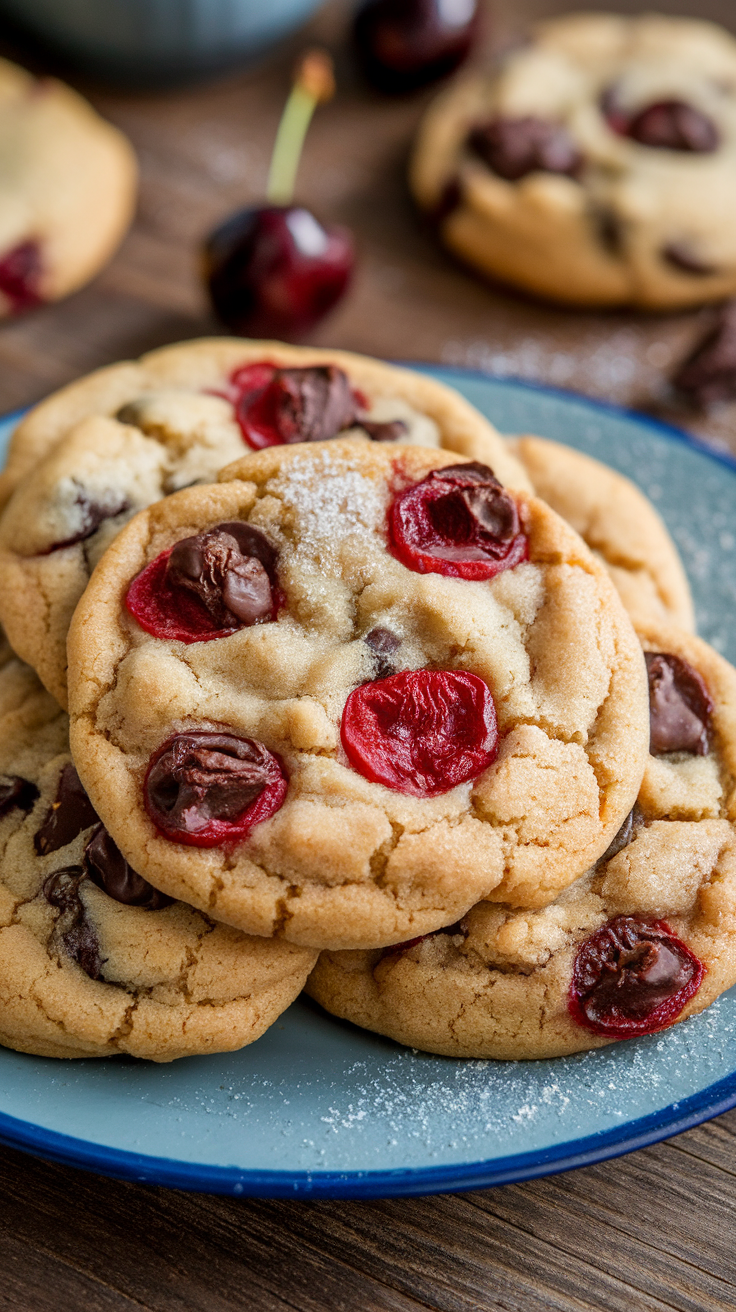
x,y
144,40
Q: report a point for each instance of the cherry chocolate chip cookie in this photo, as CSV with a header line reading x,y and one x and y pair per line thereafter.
x,y
645,938
313,712
94,961
595,165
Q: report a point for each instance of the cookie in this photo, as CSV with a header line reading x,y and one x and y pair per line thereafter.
x,y
619,524
411,687
68,190
276,394
647,937
596,166
93,960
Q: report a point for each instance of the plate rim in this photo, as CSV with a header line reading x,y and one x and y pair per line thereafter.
x,y
604,1145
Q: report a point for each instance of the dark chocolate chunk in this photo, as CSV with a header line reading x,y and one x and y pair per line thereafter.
x,y
199,777
74,932
708,374
610,229
624,836
514,147
67,816
230,569
16,792
680,706
673,125
106,866
631,967
476,508
383,643
313,404
390,431
683,258
93,514
61,889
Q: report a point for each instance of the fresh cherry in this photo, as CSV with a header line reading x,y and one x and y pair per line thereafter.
x,y
274,270
208,586
404,44
458,521
421,732
207,789
633,976
20,276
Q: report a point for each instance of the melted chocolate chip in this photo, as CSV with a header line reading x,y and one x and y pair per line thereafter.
x,y
61,889
67,816
384,432
673,125
92,515
680,706
383,643
476,508
313,404
74,931
514,147
610,230
708,374
230,569
106,866
683,258
200,777
631,967
16,792
624,836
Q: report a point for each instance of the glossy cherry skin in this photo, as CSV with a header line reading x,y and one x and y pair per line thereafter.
x,y
404,44
275,271
20,276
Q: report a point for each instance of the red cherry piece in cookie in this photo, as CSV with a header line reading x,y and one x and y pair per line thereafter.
x,y
680,706
20,276
280,406
458,521
633,976
421,732
209,789
514,147
208,586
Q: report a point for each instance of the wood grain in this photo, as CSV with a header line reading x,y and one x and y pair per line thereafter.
x,y
646,1233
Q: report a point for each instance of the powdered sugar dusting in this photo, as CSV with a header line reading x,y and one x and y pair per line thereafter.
x,y
329,502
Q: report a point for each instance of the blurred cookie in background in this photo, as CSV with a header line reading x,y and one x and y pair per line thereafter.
x,y
595,166
67,190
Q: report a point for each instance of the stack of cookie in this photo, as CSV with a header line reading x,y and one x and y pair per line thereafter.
x,y
349,699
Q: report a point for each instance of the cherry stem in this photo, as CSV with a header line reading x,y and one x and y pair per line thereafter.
x,y
314,83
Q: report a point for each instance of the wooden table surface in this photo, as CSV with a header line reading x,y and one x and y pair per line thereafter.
x,y
650,1231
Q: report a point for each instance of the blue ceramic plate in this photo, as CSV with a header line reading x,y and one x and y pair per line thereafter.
x,y
318,1108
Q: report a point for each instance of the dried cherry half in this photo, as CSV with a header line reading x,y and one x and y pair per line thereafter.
x,y
206,789
207,586
459,521
663,125
421,732
633,976
276,406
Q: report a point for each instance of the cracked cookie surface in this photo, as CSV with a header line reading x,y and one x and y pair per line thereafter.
x,y
346,861
68,183
596,167
619,524
497,984
177,393
84,973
